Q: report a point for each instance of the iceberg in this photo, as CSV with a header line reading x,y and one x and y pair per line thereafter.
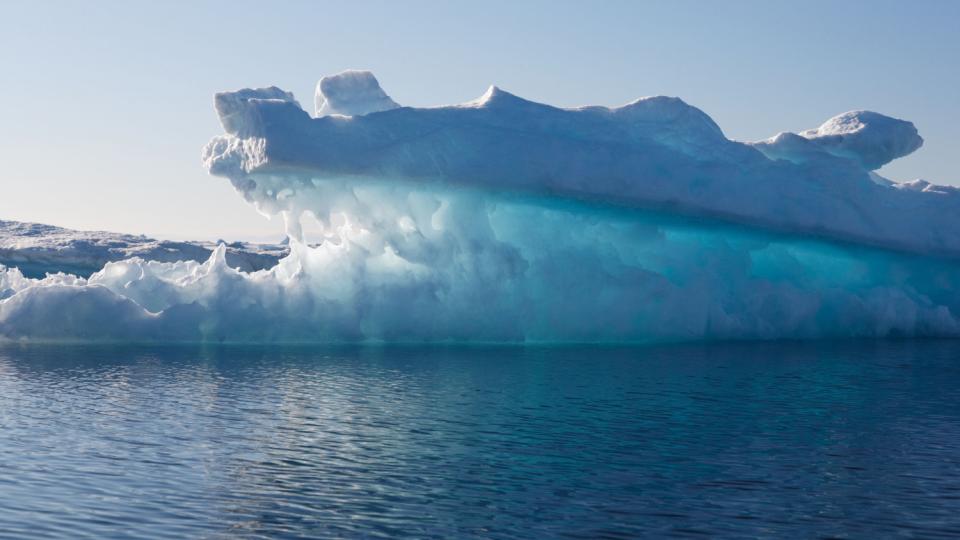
x,y
505,220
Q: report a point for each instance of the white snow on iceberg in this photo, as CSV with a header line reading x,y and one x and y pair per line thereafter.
x,y
503,219
351,93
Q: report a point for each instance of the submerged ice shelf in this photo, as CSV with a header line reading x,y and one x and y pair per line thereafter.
x,y
503,219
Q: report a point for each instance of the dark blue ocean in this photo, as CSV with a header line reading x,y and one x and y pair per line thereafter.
x,y
854,439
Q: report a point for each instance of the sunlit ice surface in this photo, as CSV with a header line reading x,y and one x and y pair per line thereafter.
x,y
792,440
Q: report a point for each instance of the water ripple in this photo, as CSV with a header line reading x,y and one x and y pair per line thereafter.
x,y
829,440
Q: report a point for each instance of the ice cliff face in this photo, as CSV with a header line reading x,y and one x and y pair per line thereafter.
x,y
502,219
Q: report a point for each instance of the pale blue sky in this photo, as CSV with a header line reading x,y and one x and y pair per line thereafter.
x,y
104,106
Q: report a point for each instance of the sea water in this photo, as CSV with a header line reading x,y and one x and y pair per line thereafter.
x,y
850,439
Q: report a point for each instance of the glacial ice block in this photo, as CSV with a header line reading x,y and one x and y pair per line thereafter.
x,y
655,153
506,220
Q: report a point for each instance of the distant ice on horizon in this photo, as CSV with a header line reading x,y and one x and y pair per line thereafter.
x,y
38,249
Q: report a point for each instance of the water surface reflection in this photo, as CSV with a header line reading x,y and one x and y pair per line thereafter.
x,y
854,439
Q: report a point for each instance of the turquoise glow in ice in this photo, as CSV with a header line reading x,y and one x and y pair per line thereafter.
x,y
459,266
